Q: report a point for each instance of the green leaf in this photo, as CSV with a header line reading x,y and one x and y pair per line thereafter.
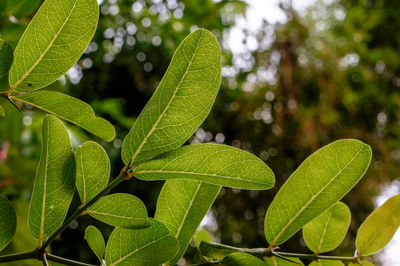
x,y
21,8
8,222
181,206
202,235
92,170
212,163
55,180
6,57
326,231
153,245
379,227
120,209
96,241
242,259
53,42
275,261
362,263
320,181
2,113
181,102
326,263
70,109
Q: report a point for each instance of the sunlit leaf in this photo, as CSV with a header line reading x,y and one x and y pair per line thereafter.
x,y
202,235
379,227
326,263
92,170
70,109
181,102
120,209
242,259
181,206
362,263
275,261
6,57
151,246
8,222
53,42
55,180
96,241
320,181
212,163
326,231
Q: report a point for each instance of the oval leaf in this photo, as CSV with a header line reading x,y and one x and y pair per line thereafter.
x,y
181,206
202,235
120,209
6,57
379,227
320,181
181,102
212,163
242,259
327,231
96,241
70,109
92,170
326,263
8,222
153,245
53,42
54,182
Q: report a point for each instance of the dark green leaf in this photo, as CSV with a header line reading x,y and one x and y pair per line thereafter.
x,y
6,57
8,222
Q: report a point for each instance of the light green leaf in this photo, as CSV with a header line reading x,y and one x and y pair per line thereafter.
x,y
70,109
120,209
326,263
151,246
219,251
181,102
379,227
92,170
6,57
96,241
242,259
181,206
362,263
320,181
2,113
212,163
53,42
326,231
8,222
55,180
21,8
202,235
275,261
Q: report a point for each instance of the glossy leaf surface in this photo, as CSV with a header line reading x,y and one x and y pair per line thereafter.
x,y
95,241
8,222
326,231
181,206
53,42
6,57
379,227
181,102
120,209
212,163
92,170
70,109
54,182
320,181
151,246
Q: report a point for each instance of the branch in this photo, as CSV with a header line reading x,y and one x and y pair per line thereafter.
x,y
20,256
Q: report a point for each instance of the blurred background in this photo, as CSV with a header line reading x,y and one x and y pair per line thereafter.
x,y
297,75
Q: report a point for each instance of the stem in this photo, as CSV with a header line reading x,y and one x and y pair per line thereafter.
x,y
44,259
65,261
20,256
314,257
122,176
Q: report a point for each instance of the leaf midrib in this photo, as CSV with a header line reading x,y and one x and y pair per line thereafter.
x,y
312,199
19,81
169,102
114,215
323,234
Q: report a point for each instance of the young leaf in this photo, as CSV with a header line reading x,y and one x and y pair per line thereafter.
x,y
202,235
92,170
242,259
120,209
55,180
326,231
275,261
6,57
212,163
53,42
70,109
8,222
153,245
379,227
181,206
326,263
320,181
96,241
2,113
181,102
